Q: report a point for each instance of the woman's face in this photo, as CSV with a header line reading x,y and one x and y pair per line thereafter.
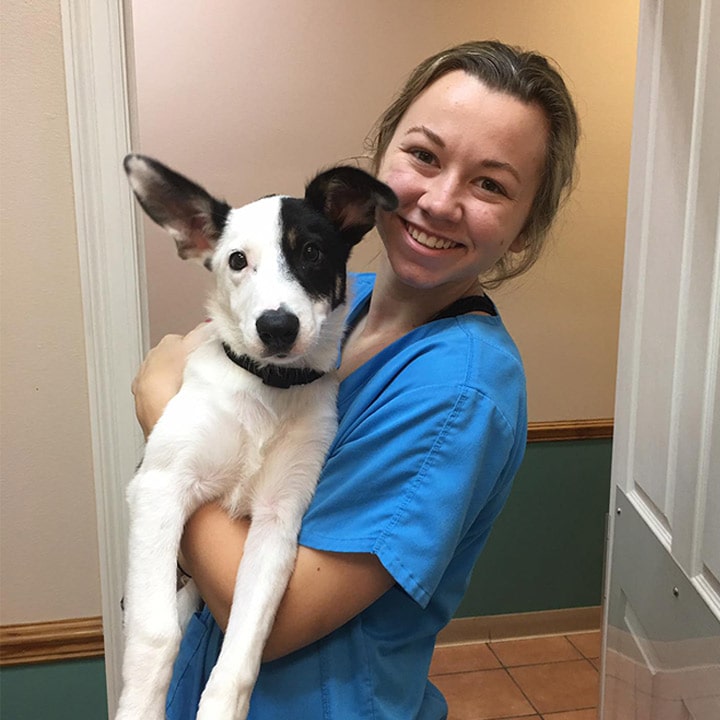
x,y
465,162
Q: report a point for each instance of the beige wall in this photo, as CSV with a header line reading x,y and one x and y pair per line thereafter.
x,y
252,97
48,536
291,87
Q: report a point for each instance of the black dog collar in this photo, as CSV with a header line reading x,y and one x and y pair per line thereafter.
x,y
275,376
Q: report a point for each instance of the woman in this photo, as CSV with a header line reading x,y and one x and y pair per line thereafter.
x,y
479,148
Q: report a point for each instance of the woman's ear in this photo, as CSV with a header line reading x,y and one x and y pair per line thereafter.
x,y
518,244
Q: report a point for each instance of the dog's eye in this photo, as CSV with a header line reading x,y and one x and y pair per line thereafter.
x,y
237,260
311,253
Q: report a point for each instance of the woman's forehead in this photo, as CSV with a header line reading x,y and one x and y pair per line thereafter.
x,y
460,112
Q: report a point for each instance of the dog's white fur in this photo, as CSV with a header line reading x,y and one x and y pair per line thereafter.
x,y
228,436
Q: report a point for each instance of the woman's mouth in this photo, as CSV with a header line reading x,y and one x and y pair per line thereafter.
x,y
429,241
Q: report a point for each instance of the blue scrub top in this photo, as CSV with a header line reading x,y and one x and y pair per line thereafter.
x,y
431,433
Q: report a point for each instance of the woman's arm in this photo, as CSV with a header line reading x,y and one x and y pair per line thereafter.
x,y
325,591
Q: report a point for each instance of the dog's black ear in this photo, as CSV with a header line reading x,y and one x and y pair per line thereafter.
x,y
349,197
189,213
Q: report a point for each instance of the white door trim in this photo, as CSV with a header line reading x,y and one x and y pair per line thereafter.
x,y
112,278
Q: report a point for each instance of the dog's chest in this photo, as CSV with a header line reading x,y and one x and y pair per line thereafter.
x,y
245,424
245,430
267,433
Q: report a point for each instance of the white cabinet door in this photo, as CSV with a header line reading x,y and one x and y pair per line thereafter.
x,y
662,624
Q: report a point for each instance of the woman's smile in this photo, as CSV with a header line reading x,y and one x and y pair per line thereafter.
x,y
428,239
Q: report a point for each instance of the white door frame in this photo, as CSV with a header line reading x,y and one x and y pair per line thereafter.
x,y
100,97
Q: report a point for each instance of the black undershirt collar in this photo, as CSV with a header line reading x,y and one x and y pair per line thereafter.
x,y
471,303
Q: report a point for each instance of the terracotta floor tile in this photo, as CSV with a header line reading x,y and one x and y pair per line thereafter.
x,y
482,695
587,643
559,686
462,658
533,651
573,715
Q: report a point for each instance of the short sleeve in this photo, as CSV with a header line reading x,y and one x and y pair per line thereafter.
x,y
407,478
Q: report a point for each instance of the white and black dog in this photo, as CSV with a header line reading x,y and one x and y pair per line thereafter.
x,y
253,421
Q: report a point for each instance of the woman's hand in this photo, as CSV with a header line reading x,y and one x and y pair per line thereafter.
x,y
160,375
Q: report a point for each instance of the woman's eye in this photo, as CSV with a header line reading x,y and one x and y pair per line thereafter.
x,y
311,253
424,156
237,260
492,187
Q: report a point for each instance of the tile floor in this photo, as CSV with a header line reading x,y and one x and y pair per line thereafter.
x,y
544,678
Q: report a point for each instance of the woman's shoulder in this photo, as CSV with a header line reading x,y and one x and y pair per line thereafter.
x,y
471,336
472,350
467,361
465,353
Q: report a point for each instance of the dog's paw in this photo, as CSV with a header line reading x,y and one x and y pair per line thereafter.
x,y
132,709
222,710
142,715
222,703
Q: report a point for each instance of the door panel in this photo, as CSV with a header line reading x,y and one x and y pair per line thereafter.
x,y
662,634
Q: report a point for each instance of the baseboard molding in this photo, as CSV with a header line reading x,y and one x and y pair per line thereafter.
x,y
521,625
594,429
83,637
51,641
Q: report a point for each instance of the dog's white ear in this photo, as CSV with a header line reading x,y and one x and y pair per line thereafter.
x,y
188,212
349,197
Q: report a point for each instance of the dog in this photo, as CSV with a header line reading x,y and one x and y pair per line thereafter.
x,y
253,420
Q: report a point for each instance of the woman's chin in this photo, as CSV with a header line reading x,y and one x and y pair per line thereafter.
x,y
415,275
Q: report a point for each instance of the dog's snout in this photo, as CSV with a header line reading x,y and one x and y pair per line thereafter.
x,y
278,330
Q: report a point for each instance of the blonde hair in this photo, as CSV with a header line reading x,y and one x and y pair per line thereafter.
x,y
529,77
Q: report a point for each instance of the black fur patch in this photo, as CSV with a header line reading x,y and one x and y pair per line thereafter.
x,y
315,251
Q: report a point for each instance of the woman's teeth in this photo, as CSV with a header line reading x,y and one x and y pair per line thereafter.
x,y
430,240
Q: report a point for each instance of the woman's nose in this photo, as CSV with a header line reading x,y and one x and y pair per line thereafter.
x,y
441,198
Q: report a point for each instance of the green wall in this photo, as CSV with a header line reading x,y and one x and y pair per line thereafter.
x,y
545,553
546,550
72,690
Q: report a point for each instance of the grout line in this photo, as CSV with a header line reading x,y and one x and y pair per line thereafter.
x,y
569,639
519,665
524,694
495,655
548,662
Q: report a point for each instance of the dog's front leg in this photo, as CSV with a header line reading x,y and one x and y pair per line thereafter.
x,y
152,629
281,496
268,561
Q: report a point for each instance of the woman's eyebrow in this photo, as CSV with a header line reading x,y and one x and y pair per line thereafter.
x,y
434,137
500,165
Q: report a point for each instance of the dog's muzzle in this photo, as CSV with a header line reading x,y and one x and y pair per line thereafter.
x,y
278,330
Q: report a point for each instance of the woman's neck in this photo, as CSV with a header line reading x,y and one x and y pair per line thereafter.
x,y
401,308
395,309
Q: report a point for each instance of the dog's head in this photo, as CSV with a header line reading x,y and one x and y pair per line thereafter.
x,y
279,262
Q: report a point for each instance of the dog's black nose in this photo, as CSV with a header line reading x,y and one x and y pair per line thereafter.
x,y
278,329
